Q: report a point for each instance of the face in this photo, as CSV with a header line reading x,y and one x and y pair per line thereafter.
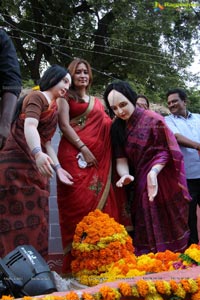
x,y
61,88
176,105
81,76
120,105
142,103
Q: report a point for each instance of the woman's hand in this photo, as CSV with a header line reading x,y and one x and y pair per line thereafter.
x,y
89,157
124,180
152,185
64,176
44,162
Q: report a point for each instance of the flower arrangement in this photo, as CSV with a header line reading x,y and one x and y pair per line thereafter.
x,y
185,289
103,252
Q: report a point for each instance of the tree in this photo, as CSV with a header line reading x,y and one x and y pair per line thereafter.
x,y
122,39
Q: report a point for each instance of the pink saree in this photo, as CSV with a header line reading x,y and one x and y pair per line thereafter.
x,y
163,223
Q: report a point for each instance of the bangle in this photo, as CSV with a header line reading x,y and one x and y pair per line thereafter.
x,y
36,150
82,146
56,167
77,140
155,170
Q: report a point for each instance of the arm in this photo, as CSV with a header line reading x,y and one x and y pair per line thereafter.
x,y
43,161
181,139
123,172
8,106
152,182
70,134
185,142
62,174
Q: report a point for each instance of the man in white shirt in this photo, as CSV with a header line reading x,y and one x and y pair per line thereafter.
x,y
186,128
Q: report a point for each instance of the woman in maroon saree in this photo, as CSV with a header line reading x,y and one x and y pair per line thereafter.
x,y
85,151
144,143
26,164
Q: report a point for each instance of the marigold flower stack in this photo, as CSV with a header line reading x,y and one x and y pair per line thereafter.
x,y
99,241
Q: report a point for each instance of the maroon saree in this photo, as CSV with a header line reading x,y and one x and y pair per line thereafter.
x,y
163,223
23,191
92,186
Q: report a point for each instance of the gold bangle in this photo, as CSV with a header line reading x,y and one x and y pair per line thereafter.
x,y
82,146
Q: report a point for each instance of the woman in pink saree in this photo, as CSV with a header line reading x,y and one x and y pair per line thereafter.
x,y
144,143
85,151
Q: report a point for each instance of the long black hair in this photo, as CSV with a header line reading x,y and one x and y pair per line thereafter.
x,y
118,127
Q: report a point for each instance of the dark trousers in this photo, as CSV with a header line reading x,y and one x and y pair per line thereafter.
x,y
194,190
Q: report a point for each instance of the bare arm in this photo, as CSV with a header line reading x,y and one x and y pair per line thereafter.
x,y
43,161
185,142
123,172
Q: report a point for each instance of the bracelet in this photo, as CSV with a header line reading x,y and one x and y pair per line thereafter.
x,y
36,150
56,167
82,146
155,170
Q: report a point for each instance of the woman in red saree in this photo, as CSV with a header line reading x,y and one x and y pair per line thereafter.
x,y
144,143
26,164
85,151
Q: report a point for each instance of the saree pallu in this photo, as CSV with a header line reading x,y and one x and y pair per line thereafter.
x,y
92,186
24,191
163,223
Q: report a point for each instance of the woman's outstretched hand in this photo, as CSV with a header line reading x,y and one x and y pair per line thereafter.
x,y
152,185
124,180
44,164
64,176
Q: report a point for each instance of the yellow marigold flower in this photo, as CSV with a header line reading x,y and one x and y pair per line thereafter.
x,y
135,292
152,288
180,292
36,88
7,297
193,285
155,296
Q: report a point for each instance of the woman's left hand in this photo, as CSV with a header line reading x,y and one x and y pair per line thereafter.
x,y
124,180
64,176
152,185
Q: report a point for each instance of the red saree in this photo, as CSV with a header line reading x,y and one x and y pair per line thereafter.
x,y
92,186
163,223
23,191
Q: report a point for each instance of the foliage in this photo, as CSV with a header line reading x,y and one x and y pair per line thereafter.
x,y
124,39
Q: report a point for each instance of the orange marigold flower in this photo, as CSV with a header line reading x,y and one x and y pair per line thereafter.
x,y
142,287
160,287
87,296
174,285
107,293
125,289
195,296
72,296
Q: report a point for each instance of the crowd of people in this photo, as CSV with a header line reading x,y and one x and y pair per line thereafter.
x,y
105,147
